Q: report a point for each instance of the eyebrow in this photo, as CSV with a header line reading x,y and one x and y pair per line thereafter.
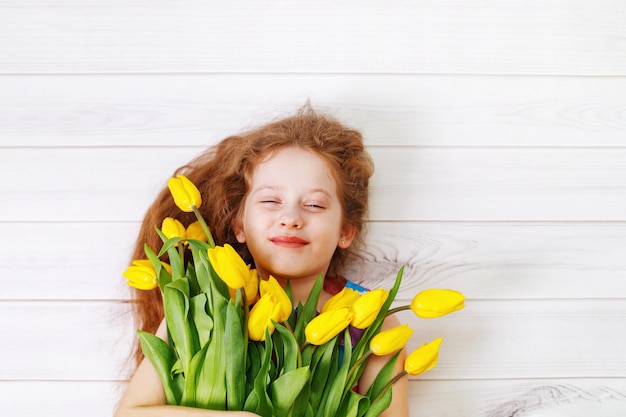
x,y
277,188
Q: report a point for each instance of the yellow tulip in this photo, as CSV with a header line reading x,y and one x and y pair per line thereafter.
x,y
173,228
229,266
391,340
251,286
194,231
273,287
327,325
186,195
424,358
261,316
141,275
344,298
366,308
434,303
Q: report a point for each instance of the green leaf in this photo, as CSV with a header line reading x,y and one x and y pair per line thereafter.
x,y
354,405
176,261
192,380
235,357
258,401
335,389
289,347
307,312
161,356
383,377
201,319
212,379
286,389
322,361
301,406
380,405
181,329
202,270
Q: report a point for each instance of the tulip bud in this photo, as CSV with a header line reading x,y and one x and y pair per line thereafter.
x,y
261,316
229,266
424,358
272,286
251,287
434,303
173,228
327,325
141,275
194,231
186,195
344,298
367,307
391,340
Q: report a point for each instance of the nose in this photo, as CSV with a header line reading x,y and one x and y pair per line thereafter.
x,y
291,218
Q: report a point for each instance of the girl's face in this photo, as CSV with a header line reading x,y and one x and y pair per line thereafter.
x,y
292,218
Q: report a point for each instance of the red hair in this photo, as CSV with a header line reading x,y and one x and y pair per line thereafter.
x,y
222,174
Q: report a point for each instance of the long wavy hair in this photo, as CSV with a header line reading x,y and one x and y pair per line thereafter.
x,y
222,173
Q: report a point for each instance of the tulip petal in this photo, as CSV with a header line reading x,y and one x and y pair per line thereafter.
x,y
392,340
434,302
424,358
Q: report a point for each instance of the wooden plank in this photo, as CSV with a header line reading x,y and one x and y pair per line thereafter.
x,y
532,37
415,184
508,398
390,110
59,398
84,261
499,398
504,339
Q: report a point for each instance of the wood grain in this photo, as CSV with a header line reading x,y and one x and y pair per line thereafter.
x,y
390,110
532,37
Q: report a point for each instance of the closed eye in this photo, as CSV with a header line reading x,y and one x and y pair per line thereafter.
x,y
315,206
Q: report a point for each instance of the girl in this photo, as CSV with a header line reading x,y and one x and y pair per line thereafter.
x,y
291,197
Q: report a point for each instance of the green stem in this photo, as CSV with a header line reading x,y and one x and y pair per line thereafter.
x,y
389,385
398,309
355,366
204,226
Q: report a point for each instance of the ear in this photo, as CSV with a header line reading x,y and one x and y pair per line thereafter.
x,y
348,232
238,229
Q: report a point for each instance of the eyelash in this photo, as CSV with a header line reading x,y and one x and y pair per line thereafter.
x,y
310,205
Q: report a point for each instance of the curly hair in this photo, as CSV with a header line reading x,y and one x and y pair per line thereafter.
x,y
222,173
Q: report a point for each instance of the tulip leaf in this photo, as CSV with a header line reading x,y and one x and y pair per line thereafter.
x,y
301,405
192,379
290,348
212,380
258,401
380,405
202,320
354,405
307,312
286,389
235,357
176,307
321,363
383,377
161,356
335,389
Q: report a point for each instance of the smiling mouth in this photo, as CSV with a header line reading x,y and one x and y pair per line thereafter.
x,y
289,241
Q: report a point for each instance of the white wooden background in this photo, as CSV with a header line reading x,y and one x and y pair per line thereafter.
x,y
499,133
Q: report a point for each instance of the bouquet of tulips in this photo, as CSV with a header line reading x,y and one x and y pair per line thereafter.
x,y
238,343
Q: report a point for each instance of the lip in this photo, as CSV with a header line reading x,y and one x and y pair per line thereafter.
x,y
288,241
